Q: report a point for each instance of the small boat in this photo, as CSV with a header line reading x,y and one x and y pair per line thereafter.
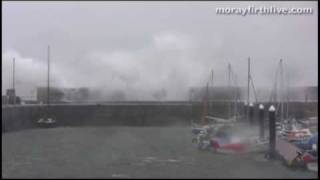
x,y
224,145
217,132
299,135
46,122
310,145
292,132
230,145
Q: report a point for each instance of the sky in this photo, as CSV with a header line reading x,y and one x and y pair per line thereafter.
x,y
144,47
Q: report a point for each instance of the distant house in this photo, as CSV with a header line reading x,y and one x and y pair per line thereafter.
x,y
11,97
62,95
56,95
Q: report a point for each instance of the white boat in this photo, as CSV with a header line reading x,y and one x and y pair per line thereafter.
x,y
292,132
46,122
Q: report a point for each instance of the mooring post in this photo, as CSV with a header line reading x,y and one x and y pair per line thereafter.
x,y
272,132
251,114
261,121
245,106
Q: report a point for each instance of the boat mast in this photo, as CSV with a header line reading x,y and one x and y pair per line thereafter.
x,y
276,89
207,99
248,88
13,81
47,114
229,89
48,80
281,92
205,105
235,94
288,95
211,94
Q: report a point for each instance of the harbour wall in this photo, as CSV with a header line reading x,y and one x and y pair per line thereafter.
x,y
21,117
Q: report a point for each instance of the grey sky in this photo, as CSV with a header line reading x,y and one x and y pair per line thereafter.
x,y
146,46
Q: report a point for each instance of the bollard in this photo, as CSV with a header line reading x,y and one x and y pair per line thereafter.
x,y
272,131
261,121
251,114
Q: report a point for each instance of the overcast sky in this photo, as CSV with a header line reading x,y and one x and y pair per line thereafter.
x,y
146,46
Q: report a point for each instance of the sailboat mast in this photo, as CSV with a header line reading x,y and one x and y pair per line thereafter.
x,y
288,96
207,98
211,94
281,92
248,88
234,92
48,76
235,95
13,81
229,89
205,106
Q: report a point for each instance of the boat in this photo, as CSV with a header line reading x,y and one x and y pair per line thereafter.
x,y
218,134
311,123
46,122
210,125
310,145
293,131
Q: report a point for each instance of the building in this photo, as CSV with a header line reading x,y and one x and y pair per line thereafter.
x,y
56,95
10,97
62,95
